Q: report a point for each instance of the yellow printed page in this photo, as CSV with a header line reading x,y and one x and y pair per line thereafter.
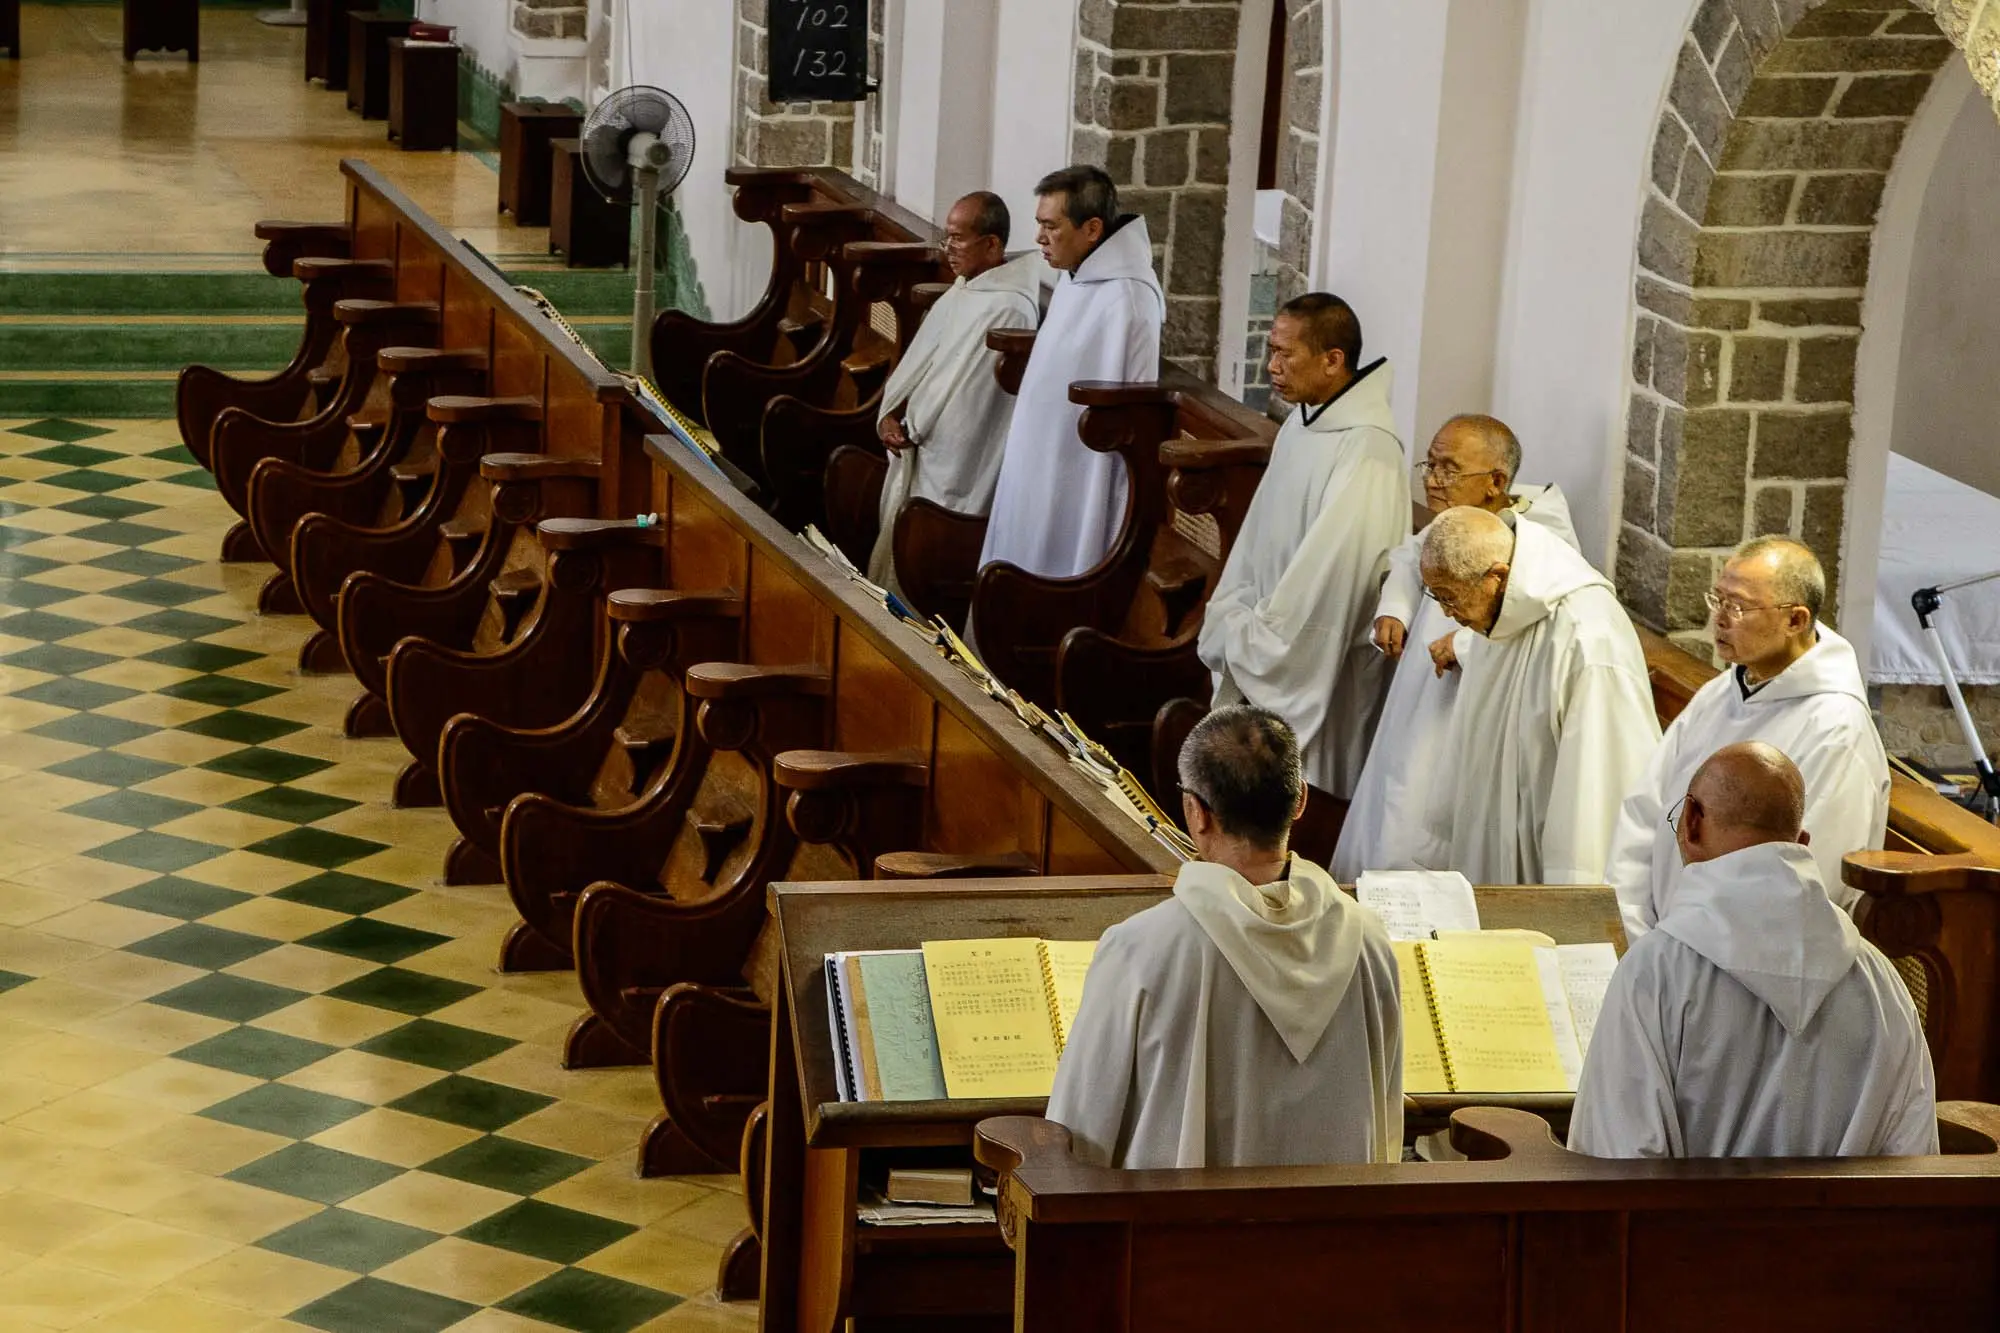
x,y
1423,1063
1066,962
992,1014
1495,1023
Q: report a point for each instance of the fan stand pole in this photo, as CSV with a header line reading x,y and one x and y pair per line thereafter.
x,y
642,289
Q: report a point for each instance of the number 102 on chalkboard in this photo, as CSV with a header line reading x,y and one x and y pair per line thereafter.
x,y
818,50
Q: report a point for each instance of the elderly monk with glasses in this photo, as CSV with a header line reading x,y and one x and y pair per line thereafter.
x,y
1793,684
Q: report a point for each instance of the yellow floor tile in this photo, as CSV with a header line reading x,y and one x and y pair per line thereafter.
x,y
57,1295
176,747
174,1312
224,828
611,1190
112,926
49,521
253,1279
21,905
249,872
142,1251
473,961
395,1137
498,1321
362,1077
502,1012
54,1002
660,1257
200,786
435,1203
82,876
716,1218
59,831
301,968
14,679
121,640
122,1182
229,1210
357,780
32,1222
574,1127
129,974
211,1147
46,791
36,752
35,954
83,578
705,1316
158,710
74,1062
461,1269
22,1155
150,1027
92,608
275,919
21,714
95,1119
136,675
178,1085
335,1022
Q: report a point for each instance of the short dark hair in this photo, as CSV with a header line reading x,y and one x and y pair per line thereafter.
x,y
1330,322
1242,763
990,217
1087,193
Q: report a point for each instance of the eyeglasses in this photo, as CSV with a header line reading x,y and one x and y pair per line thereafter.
x,y
1728,608
1674,815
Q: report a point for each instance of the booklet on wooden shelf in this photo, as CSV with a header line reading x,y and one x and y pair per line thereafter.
x,y
1415,904
1498,1011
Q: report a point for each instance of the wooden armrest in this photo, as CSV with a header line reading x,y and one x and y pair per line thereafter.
x,y
403,360
1491,1133
356,311
945,865
632,737
1011,342
826,770
515,584
456,408
1201,455
1968,1127
462,530
740,176
365,431
925,294
811,209
740,680
321,376
598,534
864,359
1174,577
645,606
1115,393
891,252
1896,874
414,469
792,325
1004,1143
308,267
535,467
272,229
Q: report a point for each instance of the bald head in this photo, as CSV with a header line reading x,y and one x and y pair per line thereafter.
x,y
1490,444
1467,553
1741,796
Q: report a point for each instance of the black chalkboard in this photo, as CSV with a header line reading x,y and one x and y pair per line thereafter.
x,y
819,50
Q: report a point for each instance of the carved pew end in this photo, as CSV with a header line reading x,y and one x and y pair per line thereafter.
x,y
367,718
467,864
592,1043
320,655
526,951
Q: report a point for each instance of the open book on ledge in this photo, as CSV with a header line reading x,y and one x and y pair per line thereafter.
x,y
1498,1011
954,1019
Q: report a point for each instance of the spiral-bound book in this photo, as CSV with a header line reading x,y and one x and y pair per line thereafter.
x,y
1498,1013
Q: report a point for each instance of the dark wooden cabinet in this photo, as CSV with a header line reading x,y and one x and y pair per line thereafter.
x,y
10,27
163,25
423,94
326,41
368,34
583,228
526,130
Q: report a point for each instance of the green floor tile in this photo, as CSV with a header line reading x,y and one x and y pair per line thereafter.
x,y
221,691
58,659
83,479
183,898
180,624
39,624
437,1045
234,725
308,1171
507,1164
60,430
135,808
340,1239
14,565
255,1052
107,506
196,945
589,1302
194,477
108,768
560,1235
257,761
290,803
277,1108
197,656
9,980
238,999
407,992
377,941
78,694
149,564
91,728
156,851
74,455
175,453
12,535
472,1102
374,1306
318,847
338,892
160,592
119,532
30,596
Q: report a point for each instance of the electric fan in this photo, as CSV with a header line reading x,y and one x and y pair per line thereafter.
x,y
637,147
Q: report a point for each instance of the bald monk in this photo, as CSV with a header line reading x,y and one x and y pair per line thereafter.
x,y
1753,1021
1472,461
1792,682
1554,718
1251,1019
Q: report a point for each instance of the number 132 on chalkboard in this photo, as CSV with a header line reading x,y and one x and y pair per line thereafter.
x,y
819,50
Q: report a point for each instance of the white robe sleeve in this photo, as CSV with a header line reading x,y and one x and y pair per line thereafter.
x,y
1403,590
1636,840
1625,1099
1847,801
1608,730
1094,1078
1280,651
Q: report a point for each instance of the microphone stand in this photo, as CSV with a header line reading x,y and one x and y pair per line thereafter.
x,y
1926,602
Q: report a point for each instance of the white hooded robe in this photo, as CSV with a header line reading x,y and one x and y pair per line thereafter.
x,y
1754,1021
1553,722
1816,712
954,411
1059,504
1390,824
1288,625
1238,1025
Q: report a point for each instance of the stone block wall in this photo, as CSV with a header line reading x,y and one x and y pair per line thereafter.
x,y
1917,721
550,18
1298,158
801,134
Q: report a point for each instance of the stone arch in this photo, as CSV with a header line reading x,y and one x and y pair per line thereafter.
x,y
1154,82
1781,122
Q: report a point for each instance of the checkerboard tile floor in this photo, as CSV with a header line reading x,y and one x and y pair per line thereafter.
x,y
256,1070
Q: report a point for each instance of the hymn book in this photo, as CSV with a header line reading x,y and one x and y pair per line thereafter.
x,y
1496,1012
1415,904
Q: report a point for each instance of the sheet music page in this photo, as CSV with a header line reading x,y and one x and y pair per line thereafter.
x,y
1414,903
1586,975
1066,962
1423,1063
1495,1024
991,1008
1548,964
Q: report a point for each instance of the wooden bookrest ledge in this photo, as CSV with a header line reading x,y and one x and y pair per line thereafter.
x,y
1527,1238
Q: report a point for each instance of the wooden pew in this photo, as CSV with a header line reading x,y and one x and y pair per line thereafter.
x,y
1526,1238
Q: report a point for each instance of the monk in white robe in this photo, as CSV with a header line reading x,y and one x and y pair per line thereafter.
x,y
1793,683
1390,824
1554,716
944,415
1287,626
1753,1020
1059,504
1252,1019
